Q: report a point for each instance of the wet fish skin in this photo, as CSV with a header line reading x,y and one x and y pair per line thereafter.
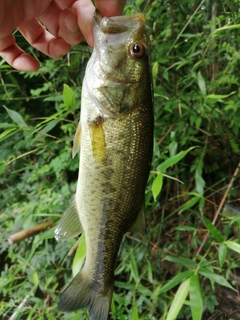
x,y
116,137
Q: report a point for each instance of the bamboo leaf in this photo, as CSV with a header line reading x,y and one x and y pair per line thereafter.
x,y
134,268
179,299
215,277
222,254
200,183
233,245
35,279
157,185
135,314
185,228
176,280
213,230
188,263
196,300
189,204
173,160
79,255
201,84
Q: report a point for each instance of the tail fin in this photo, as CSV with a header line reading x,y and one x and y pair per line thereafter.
x,y
84,292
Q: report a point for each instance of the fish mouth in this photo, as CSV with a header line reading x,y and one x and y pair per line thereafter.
x,y
118,24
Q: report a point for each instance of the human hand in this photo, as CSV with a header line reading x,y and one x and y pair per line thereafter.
x,y
62,23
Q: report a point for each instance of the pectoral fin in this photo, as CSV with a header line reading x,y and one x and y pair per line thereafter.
x,y
77,140
139,224
98,140
69,225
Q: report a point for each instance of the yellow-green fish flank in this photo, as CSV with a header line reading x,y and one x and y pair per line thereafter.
x,y
115,138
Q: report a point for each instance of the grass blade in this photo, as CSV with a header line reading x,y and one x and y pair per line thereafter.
x,y
179,299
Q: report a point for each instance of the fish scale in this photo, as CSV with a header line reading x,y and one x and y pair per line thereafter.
x,y
115,136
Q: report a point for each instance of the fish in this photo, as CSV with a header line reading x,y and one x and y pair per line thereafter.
x,y
115,139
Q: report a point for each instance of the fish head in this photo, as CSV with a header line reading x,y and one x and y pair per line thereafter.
x,y
119,70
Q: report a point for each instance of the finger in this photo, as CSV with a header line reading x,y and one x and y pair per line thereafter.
x,y
42,40
16,57
50,17
85,11
110,8
13,12
68,27
63,4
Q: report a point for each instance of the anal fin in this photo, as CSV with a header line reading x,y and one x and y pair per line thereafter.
x,y
69,225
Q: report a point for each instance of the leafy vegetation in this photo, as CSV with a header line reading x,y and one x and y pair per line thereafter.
x,y
185,265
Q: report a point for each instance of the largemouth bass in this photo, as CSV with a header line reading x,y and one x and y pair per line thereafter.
x,y
115,137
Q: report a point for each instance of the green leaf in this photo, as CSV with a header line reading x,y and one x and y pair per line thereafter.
x,y
79,255
3,167
179,299
50,126
219,96
196,300
188,263
144,290
5,125
124,285
157,185
173,160
176,280
200,183
8,132
222,254
155,71
173,148
134,268
215,277
185,228
35,279
68,96
135,314
213,230
201,84
189,204
231,27
16,117
198,122
233,245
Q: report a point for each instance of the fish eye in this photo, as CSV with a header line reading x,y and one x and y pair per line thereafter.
x,y
137,50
